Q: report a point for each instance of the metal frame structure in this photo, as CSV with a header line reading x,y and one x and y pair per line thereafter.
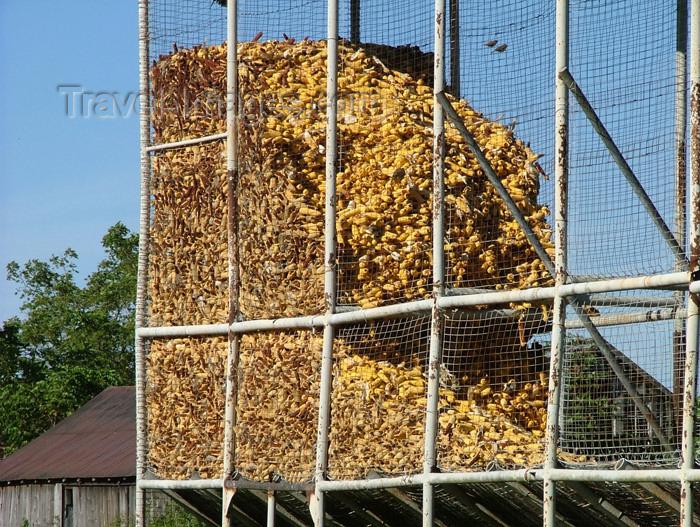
x,y
567,290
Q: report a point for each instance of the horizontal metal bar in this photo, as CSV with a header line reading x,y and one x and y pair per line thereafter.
x,y
694,287
535,294
211,330
415,480
576,278
278,324
365,484
630,318
626,284
185,142
607,300
621,476
579,278
175,484
365,315
492,476
246,326
282,486
521,475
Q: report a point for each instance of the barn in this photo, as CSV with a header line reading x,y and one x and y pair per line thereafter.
x,y
79,473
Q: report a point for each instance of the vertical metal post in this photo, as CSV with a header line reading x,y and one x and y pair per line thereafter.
x,y
561,125
270,508
355,21
691,344
142,273
455,48
681,122
436,328
233,270
316,502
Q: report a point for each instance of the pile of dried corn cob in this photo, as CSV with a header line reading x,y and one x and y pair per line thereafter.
x,y
384,220
378,410
378,420
384,187
277,405
185,393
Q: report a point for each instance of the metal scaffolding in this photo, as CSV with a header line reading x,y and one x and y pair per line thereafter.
x,y
553,486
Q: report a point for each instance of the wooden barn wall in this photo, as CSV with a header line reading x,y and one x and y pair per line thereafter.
x,y
100,506
41,505
34,503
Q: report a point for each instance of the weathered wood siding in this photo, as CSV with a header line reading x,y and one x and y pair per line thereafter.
x,y
93,505
101,506
34,503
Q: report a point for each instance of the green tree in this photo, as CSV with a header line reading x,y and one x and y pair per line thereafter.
x,y
71,342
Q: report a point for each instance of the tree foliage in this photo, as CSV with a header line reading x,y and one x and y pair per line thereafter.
x,y
70,342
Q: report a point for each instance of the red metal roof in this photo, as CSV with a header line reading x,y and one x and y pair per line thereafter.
x,y
96,441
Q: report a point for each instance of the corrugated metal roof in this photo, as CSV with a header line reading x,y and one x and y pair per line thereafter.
x,y
96,441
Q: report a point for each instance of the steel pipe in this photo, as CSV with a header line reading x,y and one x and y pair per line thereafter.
x,y
662,281
271,508
186,142
621,476
680,187
438,274
691,327
560,272
210,330
231,389
316,502
142,271
631,318
648,204
541,294
180,484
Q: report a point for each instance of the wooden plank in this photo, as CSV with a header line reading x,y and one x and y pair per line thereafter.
x,y
57,504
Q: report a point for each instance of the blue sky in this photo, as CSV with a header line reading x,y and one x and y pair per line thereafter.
x,y
64,181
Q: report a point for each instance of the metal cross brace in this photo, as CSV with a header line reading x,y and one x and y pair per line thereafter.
x,y
602,344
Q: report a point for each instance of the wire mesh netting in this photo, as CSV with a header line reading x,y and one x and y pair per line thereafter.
x,y
495,390
188,264
627,72
281,178
191,23
184,24
378,398
385,145
623,399
277,384
645,503
621,389
185,401
506,52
